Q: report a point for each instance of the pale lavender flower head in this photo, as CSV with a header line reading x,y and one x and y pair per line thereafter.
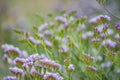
x,y
71,67
117,26
16,71
33,71
33,57
95,40
48,43
64,49
87,35
52,76
43,27
34,41
5,57
50,63
109,43
61,19
19,61
99,18
10,48
91,68
10,78
23,54
117,37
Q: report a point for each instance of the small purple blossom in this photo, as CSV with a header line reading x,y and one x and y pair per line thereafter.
x,y
99,18
34,41
87,35
10,78
117,26
52,76
33,57
19,60
109,43
91,68
16,71
71,67
50,63
117,37
43,27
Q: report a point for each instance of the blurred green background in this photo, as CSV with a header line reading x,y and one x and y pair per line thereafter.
x,y
21,14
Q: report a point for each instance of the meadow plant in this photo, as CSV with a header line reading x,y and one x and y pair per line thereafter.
x,y
67,48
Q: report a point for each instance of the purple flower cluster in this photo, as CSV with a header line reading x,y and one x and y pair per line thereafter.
x,y
10,78
109,43
11,49
52,76
100,18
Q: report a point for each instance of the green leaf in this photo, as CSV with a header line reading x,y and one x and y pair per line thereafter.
x,y
23,41
72,13
18,32
63,12
35,28
40,18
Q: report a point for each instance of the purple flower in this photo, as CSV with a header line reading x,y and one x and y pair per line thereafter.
x,y
109,43
95,40
10,78
91,68
52,76
71,67
16,71
33,57
117,37
19,61
34,41
43,27
87,35
10,48
117,26
61,19
50,63
99,18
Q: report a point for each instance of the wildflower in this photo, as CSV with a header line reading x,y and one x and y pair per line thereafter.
x,y
81,27
16,51
64,49
52,76
87,35
99,58
109,43
33,57
5,57
100,18
61,19
10,78
50,63
88,59
33,71
34,41
117,37
117,26
110,32
19,61
94,40
43,27
11,49
48,43
71,67
106,65
16,71
91,68
23,54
